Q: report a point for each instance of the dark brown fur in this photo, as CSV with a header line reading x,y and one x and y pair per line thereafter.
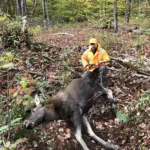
x,y
71,103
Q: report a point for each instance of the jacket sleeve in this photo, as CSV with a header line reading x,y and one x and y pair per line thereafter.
x,y
84,59
105,56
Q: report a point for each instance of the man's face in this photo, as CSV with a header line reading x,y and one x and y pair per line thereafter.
x,y
94,47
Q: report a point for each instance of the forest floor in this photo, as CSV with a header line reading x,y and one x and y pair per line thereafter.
x,y
62,58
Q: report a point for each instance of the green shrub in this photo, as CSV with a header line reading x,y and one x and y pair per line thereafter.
x,y
137,110
12,36
144,100
108,40
145,24
122,117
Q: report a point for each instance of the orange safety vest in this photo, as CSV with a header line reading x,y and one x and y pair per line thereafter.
x,y
89,58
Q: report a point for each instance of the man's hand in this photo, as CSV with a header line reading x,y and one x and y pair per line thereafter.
x,y
97,64
87,67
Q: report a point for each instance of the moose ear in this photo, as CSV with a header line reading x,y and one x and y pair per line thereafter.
x,y
37,100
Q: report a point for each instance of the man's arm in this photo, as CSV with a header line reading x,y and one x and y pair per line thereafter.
x,y
84,59
105,56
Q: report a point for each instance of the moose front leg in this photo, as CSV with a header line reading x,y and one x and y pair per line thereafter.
x,y
109,94
77,121
105,145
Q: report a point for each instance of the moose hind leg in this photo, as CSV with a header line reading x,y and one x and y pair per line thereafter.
x,y
105,145
109,94
77,121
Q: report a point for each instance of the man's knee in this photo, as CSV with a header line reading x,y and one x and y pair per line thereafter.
x,y
103,69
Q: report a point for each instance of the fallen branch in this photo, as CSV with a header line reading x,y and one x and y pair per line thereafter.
x,y
44,75
72,35
141,76
7,66
48,58
131,72
135,64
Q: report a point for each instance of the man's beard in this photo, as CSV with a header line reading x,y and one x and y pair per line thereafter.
x,y
94,49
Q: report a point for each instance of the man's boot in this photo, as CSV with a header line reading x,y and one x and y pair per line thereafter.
x,y
103,71
103,80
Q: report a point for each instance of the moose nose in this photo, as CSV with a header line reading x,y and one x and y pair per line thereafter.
x,y
28,124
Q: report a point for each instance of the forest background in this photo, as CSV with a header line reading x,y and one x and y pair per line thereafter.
x,y
41,42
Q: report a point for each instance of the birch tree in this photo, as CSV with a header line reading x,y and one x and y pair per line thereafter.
x,y
20,7
23,8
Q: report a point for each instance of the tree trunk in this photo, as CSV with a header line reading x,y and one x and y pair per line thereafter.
x,y
9,9
34,5
12,8
115,17
128,10
47,16
23,8
106,8
20,7
17,10
0,5
44,12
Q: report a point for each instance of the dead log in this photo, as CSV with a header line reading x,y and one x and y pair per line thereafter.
x,y
128,28
135,64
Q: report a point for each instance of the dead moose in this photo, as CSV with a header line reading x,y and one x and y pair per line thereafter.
x,y
72,103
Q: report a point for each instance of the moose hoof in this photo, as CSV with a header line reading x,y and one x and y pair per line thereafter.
x,y
112,147
117,147
116,101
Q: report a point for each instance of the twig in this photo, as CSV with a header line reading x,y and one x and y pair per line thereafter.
x,y
48,58
41,74
72,35
139,75
70,69
8,112
4,142
34,5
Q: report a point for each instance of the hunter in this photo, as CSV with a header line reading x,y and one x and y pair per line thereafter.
x,y
95,60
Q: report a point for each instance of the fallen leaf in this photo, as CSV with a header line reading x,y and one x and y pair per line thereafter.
x,y
50,73
12,91
21,68
148,142
142,125
68,130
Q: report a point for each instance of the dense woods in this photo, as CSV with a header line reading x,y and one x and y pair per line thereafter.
x,y
52,12
41,43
